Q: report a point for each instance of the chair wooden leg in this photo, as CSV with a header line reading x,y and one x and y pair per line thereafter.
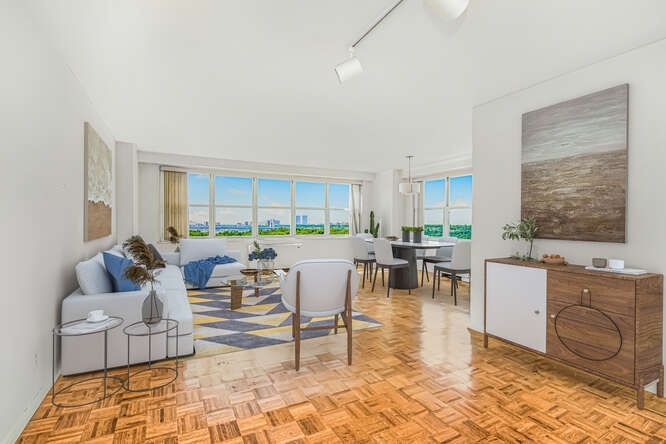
x,y
439,280
374,280
454,288
434,282
383,276
422,271
348,322
388,287
365,268
335,329
297,322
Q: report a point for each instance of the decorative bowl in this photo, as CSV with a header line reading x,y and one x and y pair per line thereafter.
x,y
553,259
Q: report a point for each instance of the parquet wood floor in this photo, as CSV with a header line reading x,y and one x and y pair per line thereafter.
x,y
421,378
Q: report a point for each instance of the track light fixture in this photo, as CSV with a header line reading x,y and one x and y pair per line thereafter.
x,y
447,9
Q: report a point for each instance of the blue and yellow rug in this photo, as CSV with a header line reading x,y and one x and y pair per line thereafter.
x,y
260,322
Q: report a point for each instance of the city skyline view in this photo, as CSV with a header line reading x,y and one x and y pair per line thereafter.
x,y
274,211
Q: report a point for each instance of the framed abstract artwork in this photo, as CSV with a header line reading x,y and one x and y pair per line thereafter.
x,y
98,185
574,167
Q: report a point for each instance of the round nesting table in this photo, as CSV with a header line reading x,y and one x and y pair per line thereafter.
x,y
140,329
82,327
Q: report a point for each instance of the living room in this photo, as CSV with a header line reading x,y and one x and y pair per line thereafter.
x,y
215,91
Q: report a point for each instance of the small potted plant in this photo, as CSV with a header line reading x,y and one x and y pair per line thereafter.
x,y
265,258
405,233
526,229
418,234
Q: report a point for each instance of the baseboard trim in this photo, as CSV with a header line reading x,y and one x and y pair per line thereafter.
x,y
25,417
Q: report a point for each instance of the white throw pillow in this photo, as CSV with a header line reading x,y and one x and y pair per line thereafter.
x,y
197,249
92,276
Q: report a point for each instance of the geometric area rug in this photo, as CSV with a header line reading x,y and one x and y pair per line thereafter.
x,y
260,322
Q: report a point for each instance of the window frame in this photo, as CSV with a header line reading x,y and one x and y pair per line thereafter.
x,y
329,208
446,229
255,207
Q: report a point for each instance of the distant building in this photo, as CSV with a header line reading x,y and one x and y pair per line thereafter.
x,y
304,218
298,219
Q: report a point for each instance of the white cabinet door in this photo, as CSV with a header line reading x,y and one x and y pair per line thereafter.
x,y
516,304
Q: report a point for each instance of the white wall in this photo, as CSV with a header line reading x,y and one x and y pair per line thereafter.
x,y
42,110
388,203
497,156
127,211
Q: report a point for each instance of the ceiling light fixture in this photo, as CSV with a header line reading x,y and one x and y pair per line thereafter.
x,y
409,187
447,9
352,66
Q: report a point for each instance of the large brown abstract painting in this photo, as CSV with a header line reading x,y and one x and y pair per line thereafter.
x,y
574,167
98,185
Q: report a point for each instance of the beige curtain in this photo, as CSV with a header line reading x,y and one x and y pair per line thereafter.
x,y
175,202
356,209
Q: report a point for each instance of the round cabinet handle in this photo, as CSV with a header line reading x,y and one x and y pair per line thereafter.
x,y
536,312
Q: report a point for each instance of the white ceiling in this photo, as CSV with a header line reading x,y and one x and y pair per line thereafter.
x,y
254,79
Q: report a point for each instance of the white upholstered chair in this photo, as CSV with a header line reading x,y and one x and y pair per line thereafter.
x,y
442,254
385,259
320,288
370,241
361,256
459,264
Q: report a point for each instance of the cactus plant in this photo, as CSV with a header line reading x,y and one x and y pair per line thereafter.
x,y
374,228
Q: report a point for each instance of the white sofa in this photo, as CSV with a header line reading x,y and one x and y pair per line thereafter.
x,y
85,353
197,249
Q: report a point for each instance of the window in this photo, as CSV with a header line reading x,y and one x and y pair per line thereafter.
x,y
219,205
233,206
447,207
198,204
310,207
460,208
274,207
434,207
339,208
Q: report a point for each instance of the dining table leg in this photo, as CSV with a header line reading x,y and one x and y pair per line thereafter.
x,y
405,278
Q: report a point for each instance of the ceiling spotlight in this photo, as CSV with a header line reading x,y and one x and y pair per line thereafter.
x,y
447,9
352,66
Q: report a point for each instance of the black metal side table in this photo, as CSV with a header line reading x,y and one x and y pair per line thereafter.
x,y
81,327
140,329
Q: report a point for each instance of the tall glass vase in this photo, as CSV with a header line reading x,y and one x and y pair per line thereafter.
x,y
265,266
152,308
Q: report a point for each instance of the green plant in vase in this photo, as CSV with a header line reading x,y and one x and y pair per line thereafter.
x,y
526,230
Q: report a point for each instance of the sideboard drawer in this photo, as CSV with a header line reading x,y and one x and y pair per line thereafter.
x,y
604,293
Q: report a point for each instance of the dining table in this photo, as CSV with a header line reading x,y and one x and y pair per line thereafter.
x,y
407,278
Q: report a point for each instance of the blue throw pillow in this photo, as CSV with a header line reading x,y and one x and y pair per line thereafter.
x,y
116,266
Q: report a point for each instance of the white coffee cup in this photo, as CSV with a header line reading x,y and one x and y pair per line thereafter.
x,y
616,264
95,315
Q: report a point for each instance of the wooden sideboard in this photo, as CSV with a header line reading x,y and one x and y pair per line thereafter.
x,y
607,324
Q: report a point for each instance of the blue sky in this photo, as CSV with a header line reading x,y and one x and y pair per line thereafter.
x,y
461,192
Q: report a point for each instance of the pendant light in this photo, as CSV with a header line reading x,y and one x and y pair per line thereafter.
x,y
410,187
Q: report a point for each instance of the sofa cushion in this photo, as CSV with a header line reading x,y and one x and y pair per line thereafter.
x,y
198,249
116,266
92,276
229,269
156,255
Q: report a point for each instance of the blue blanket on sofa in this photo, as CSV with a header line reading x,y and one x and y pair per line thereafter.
x,y
198,272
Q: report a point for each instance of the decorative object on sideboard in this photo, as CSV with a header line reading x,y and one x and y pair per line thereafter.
x,y
574,167
374,227
599,262
174,237
405,233
616,264
98,165
526,230
143,272
553,259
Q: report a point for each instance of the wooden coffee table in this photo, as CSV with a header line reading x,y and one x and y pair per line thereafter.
x,y
238,283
